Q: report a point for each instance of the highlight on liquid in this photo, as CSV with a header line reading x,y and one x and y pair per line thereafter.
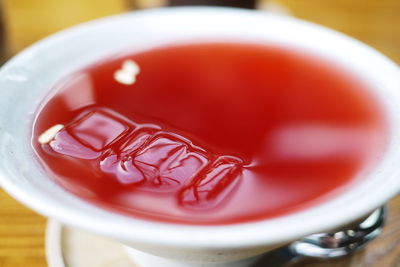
x,y
208,133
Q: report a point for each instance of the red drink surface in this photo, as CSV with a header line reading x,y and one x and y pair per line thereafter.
x,y
210,133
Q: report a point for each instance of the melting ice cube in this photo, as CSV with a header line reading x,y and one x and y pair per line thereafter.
x,y
145,156
168,162
124,169
98,129
213,184
119,160
65,144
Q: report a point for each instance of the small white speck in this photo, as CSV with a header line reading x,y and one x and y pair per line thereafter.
x,y
50,133
131,66
127,73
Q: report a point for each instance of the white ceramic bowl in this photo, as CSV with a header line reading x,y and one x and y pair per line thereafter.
x,y
26,79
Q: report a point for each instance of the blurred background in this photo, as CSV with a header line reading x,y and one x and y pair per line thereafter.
x,y
376,22
23,22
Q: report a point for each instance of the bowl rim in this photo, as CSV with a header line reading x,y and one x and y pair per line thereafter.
x,y
259,233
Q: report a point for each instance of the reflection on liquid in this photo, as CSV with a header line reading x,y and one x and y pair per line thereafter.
x,y
78,92
318,141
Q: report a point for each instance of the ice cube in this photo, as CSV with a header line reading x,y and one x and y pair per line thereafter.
x,y
161,159
65,144
137,140
123,169
212,185
168,162
98,129
118,160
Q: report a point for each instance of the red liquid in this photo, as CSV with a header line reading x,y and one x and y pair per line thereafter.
x,y
210,133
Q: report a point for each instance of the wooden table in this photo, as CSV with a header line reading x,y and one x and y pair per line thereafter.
x,y
376,22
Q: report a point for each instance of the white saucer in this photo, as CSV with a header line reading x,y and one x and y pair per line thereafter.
x,y
70,247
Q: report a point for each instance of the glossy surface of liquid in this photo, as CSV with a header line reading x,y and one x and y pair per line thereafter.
x,y
209,133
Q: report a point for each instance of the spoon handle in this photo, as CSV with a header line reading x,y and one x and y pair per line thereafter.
x,y
328,245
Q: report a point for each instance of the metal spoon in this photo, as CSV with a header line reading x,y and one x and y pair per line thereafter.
x,y
327,245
